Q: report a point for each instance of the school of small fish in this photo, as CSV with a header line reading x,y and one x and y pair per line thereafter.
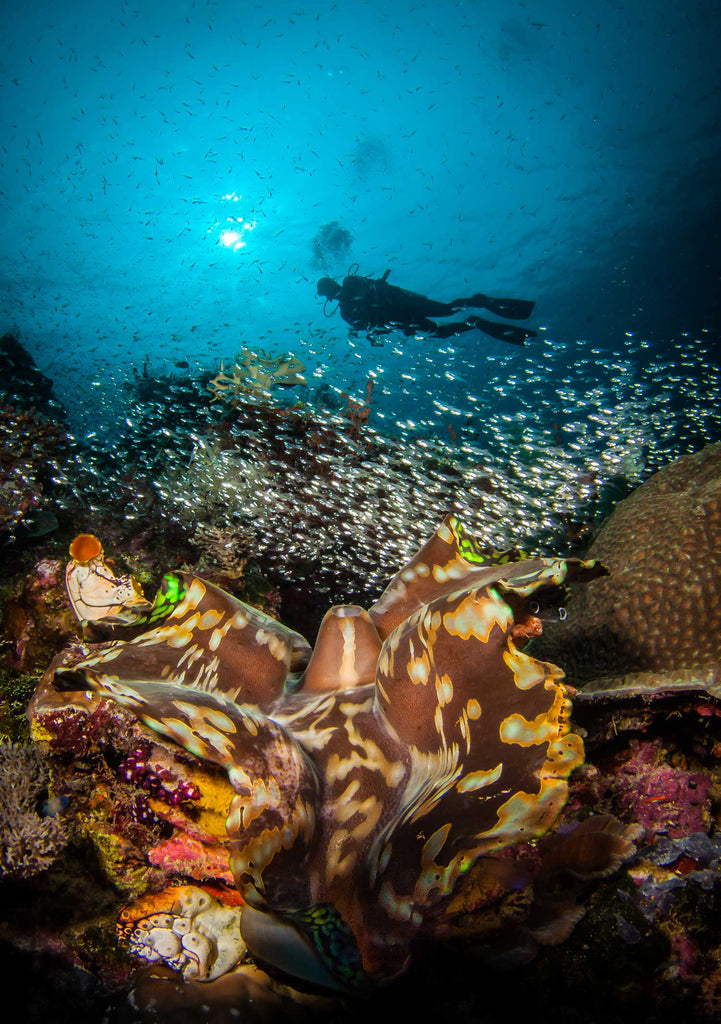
x,y
535,460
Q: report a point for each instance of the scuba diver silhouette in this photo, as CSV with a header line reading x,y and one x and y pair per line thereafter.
x,y
372,305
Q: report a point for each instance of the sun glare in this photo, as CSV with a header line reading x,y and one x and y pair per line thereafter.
x,y
232,229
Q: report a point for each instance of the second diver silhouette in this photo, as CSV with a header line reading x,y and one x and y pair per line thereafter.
x,y
376,307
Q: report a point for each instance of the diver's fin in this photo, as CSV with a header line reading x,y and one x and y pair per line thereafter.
x,y
504,332
511,309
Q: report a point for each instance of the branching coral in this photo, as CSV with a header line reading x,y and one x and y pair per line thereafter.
x,y
257,371
28,843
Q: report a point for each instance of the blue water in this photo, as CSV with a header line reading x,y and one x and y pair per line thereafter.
x,y
166,168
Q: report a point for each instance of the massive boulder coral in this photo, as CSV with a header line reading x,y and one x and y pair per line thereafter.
x,y
655,622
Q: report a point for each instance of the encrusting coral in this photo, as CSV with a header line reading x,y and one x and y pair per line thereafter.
x,y
29,843
186,928
36,619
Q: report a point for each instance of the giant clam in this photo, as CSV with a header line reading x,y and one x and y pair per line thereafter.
x,y
368,775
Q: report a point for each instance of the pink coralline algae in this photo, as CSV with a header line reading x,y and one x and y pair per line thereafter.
x,y
183,855
662,798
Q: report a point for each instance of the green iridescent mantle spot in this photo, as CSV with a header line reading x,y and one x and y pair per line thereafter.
x,y
171,593
472,552
333,941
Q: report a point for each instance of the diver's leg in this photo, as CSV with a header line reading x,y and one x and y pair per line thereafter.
x,y
511,309
504,332
422,325
450,330
421,307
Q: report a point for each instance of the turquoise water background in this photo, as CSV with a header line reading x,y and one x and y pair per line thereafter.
x,y
166,168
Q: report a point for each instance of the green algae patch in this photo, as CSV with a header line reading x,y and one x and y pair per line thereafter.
x,y
118,861
16,690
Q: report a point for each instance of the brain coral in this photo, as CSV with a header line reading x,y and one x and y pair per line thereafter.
x,y
655,621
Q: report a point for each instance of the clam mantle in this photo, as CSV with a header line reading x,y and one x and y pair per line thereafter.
x,y
370,772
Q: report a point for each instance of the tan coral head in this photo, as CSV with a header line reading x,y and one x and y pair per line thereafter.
x,y
85,548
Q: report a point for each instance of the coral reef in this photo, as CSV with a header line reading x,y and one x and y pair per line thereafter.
x,y
33,441
314,497
133,800
23,385
30,446
36,618
332,497
29,843
643,647
656,620
541,917
186,928
661,797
